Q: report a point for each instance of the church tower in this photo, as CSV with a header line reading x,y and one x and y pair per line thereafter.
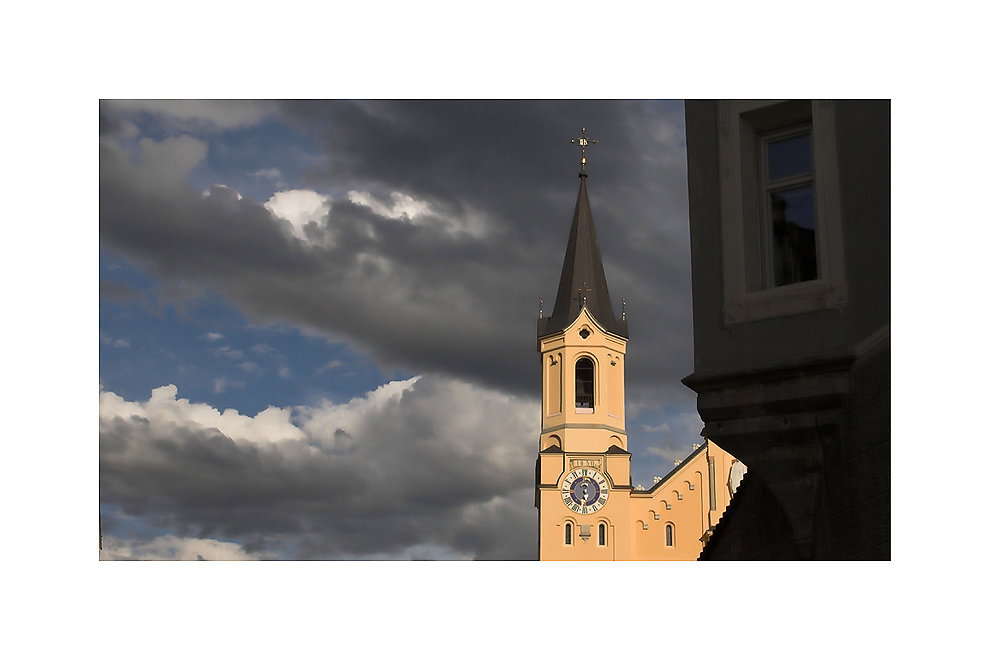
x,y
583,470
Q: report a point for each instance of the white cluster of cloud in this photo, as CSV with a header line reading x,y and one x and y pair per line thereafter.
x,y
403,206
417,464
299,208
222,189
406,208
163,411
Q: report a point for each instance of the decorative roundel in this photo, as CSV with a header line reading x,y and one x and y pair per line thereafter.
x,y
584,490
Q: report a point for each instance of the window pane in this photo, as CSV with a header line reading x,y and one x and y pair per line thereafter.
x,y
789,157
792,214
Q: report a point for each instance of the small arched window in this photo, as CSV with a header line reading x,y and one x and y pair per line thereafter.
x,y
669,531
584,383
601,534
567,534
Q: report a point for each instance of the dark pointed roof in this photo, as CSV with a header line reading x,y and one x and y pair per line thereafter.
x,y
582,270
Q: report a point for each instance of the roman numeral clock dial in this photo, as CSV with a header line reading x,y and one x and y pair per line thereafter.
x,y
584,490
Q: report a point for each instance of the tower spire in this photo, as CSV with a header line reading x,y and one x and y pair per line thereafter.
x,y
582,278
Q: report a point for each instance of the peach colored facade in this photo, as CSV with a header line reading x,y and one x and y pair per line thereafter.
x,y
588,508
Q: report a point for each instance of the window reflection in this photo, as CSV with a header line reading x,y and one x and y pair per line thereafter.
x,y
789,207
793,218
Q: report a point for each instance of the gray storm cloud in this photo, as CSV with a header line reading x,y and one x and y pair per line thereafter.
x,y
412,464
452,224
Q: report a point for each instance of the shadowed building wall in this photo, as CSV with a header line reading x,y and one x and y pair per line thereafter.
x,y
792,344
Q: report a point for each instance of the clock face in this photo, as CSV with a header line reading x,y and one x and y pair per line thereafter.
x,y
584,490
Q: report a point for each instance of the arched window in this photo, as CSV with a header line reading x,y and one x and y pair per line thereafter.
x,y
669,531
601,534
567,534
584,383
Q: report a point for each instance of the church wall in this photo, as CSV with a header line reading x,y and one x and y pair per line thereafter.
x,y
554,386
613,367
619,469
554,515
551,468
637,520
689,510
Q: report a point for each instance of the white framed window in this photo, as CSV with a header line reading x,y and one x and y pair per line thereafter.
x,y
781,225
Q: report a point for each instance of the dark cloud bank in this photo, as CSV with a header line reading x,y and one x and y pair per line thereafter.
x,y
423,295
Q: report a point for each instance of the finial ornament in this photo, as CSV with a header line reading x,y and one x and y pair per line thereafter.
x,y
541,307
584,142
623,309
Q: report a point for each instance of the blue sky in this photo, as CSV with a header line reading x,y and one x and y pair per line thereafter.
x,y
283,278
212,353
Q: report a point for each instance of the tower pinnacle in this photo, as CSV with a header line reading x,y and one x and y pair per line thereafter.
x,y
582,277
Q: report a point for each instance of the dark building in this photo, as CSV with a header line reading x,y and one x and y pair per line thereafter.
x,y
790,250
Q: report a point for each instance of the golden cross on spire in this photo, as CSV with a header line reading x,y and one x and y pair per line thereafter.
x,y
584,142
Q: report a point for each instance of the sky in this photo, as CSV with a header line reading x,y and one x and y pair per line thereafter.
x,y
317,319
